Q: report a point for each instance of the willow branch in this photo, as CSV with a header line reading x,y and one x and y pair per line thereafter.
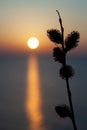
x,y
67,80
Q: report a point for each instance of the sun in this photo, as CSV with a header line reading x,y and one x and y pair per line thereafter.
x,y
33,43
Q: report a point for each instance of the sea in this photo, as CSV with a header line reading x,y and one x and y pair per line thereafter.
x,y
31,88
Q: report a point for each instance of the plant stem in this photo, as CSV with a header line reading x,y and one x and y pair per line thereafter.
x,y
71,105
62,29
67,80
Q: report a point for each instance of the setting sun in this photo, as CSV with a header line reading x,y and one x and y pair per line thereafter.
x,y
33,43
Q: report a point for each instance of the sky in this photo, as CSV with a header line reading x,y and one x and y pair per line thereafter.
x,y
22,19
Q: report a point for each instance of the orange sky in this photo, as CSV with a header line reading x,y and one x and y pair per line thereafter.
x,y
20,20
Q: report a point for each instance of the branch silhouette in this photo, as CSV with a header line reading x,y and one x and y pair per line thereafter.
x,y
66,71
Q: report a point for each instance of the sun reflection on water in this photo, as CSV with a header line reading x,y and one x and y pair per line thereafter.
x,y
33,99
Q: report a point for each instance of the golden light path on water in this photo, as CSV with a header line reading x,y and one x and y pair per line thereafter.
x,y
33,99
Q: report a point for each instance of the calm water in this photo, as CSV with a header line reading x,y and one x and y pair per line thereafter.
x,y
15,92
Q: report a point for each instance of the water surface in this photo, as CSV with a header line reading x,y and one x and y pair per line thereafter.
x,y
14,88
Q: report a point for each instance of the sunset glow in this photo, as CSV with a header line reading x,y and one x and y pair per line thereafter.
x,y
33,98
20,20
33,43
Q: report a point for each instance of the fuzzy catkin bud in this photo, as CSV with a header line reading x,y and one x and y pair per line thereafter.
x,y
66,72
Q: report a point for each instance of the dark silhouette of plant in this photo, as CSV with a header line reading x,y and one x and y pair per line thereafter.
x,y
66,71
